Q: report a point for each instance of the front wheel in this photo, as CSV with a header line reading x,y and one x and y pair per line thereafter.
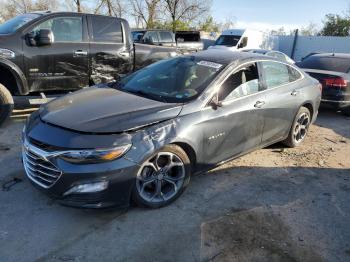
x,y
6,104
299,128
162,178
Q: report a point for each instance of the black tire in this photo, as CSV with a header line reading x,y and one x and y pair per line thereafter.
x,y
6,104
346,111
178,152
292,140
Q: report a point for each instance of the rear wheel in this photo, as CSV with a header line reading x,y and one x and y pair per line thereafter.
x,y
162,178
299,128
6,104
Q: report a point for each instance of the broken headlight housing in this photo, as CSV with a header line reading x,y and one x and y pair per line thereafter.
x,y
94,156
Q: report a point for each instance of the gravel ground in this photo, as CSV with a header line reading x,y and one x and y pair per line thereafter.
x,y
275,204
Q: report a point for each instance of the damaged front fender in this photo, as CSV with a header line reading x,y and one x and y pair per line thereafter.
x,y
149,140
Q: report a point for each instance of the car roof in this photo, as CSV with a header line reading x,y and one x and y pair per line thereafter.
x,y
67,13
227,57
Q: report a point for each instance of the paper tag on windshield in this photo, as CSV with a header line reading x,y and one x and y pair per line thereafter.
x,y
210,64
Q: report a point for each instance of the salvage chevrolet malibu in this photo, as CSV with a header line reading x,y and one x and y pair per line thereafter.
x,y
140,138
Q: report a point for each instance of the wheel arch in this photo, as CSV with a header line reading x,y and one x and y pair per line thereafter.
x,y
12,77
191,153
310,107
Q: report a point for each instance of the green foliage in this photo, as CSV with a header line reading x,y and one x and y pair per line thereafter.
x,y
209,25
178,25
336,25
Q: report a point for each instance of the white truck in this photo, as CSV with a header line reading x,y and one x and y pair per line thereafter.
x,y
240,39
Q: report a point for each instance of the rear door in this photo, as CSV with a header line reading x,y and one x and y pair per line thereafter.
x,y
64,63
283,95
109,53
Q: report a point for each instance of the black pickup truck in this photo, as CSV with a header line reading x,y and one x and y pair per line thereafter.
x,y
63,51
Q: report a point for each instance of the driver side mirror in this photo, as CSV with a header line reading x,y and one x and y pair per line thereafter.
x,y
44,37
214,102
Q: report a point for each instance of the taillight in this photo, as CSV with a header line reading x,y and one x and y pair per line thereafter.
x,y
335,82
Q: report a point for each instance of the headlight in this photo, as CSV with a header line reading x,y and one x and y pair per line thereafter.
x,y
5,53
94,156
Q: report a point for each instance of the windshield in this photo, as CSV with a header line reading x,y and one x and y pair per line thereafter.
x,y
328,63
174,80
228,40
13,24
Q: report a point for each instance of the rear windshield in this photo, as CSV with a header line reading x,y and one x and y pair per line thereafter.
x,y
328,63
228,40
188,36
15,23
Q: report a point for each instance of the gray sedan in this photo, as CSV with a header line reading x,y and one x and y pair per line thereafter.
x,y
142,137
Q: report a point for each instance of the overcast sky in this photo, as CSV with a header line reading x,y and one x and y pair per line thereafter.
x,y
272,14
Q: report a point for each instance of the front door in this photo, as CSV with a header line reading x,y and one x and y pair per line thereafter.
x,y
235,127
64,63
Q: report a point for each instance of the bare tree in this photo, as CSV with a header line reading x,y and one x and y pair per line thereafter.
x,y
145,12
186,10
78,5
111,7
12,8
310,30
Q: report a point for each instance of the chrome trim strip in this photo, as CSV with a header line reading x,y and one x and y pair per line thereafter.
x,y
31,151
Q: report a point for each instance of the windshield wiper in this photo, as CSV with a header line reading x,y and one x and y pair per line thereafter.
x,y
148,95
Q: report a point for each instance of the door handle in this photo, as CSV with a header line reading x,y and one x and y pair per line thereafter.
x,y
295,92
80,53
259,104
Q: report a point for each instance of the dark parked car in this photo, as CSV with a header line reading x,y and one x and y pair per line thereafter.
x,y
276,54
41,52
142,137
333,72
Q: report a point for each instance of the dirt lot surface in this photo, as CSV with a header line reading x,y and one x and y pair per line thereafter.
x,y
275,204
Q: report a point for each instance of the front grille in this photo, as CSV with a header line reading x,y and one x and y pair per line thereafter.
x,y
39,170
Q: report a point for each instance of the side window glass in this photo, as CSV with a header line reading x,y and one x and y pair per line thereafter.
x,y
106,29
242,83
276,74
294,75
165,37
151,38
64,29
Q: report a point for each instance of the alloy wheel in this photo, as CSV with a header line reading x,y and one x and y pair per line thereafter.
x,y
161,177
301,127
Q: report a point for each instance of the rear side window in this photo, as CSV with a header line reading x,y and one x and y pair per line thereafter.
x,y
328,63
166,37
106,29
276,74
294,74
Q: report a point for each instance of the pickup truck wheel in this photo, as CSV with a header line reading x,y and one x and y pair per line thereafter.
x,y
6,104
299,128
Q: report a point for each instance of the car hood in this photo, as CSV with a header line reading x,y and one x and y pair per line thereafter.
x,y
106,110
